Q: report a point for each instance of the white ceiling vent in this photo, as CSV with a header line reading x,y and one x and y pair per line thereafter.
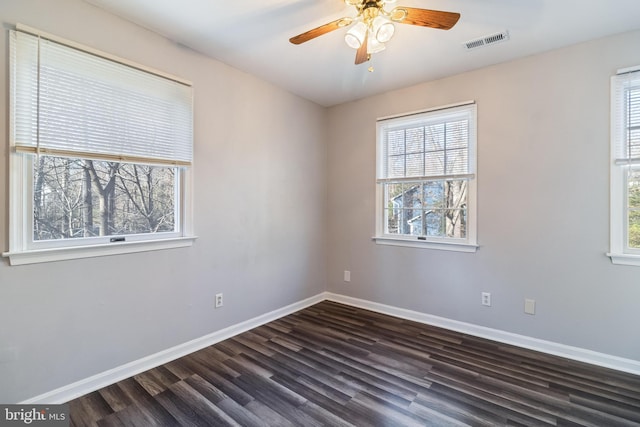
x,y
487,40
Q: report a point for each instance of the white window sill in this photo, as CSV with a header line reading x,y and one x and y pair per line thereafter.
x,y
426,244
624,259
77,252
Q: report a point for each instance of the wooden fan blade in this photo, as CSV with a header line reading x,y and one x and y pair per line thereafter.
x,y
322,29
361,54
424,17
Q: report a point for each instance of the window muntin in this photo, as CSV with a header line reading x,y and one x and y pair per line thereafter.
x,y
101,151
426,181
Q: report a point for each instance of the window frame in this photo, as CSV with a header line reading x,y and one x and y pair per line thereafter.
x,y
22,247
620,167
467,244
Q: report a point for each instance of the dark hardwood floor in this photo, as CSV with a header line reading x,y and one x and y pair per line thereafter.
x,y
336,365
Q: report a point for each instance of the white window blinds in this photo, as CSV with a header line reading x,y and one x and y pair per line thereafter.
x,y
626,114
431,145
69,102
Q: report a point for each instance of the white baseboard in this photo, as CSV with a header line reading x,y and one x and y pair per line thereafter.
x,y
103,379
549,347
96,382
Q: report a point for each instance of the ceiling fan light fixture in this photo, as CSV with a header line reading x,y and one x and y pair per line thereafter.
x,y
383,29
374,26
355,35
374,46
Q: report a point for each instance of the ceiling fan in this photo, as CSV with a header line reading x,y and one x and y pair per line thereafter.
x,y
373,25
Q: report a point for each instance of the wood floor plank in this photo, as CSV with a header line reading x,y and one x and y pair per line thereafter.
x,y
268,415
88,409
115,397
336,365
224,384
203,408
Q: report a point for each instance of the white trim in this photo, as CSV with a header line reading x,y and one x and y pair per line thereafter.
x,y
106,378
426,244
90,251
624,259
620,167
427,110
574,353
469,243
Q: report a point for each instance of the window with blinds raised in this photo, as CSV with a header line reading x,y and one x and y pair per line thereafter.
x,y
426,182
101,150
625,167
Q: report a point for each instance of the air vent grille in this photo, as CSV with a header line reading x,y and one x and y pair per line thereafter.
x,y
487,40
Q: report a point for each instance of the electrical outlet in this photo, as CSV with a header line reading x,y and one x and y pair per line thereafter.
x,y
219,300
486,299
347,276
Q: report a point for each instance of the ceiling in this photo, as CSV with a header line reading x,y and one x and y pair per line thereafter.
x,y
252,35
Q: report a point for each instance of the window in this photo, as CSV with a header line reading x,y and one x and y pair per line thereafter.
x,y
426,183
101,151
625,167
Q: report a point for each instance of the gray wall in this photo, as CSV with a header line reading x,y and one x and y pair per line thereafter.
x,y
543,221
543,138
259,215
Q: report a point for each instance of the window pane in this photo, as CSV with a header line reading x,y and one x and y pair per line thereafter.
x,y
434,137
456,223
434,163
75,198
633,103
457,161
431,208
434,194
415,164
395,167
455,194
412,196
415,140
410,216
393,196
634,229
414,221
633,183
395,142
633,201
392,221
457,134
634,143
435,223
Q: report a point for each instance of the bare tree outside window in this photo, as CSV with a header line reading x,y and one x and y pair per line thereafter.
x,y
430,208
76,198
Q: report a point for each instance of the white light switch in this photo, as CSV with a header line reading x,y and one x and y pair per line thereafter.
x,y
530,306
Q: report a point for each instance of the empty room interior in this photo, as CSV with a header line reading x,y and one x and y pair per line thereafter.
x,y
445,232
